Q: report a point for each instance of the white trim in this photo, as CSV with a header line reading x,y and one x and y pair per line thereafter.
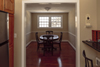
x,y
72,34
71,45
23,47
28,33
64,40
33,40
46,12
51,27
29,43
50,1
78,49
54,31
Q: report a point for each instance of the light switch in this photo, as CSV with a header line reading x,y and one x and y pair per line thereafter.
x,y
15,35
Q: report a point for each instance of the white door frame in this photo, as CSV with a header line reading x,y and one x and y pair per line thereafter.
x,y
23,46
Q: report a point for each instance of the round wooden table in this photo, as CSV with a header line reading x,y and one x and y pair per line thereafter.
x,y
44,38
55,37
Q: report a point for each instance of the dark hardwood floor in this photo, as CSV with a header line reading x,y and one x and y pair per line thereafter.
x,y
63,58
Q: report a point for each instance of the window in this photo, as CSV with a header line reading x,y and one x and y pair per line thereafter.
x,y
43,21
55,21
50,21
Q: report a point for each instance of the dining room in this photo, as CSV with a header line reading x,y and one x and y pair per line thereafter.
x,y
56,17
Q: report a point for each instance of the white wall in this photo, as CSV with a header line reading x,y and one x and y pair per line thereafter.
x,y
28,27
71,28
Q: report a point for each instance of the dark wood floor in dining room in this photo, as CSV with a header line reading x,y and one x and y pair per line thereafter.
x,y
63,58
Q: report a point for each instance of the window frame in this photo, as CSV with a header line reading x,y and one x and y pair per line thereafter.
x,y
49,20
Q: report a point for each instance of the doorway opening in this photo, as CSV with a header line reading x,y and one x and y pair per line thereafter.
x,y
29,17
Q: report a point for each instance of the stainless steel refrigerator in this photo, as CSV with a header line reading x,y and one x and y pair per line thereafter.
x,y
4,37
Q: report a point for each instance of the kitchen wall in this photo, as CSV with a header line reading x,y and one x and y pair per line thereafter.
x,y
28,27
71,28
87,7
55,30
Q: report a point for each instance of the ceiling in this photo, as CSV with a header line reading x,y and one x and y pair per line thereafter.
x,y
54,7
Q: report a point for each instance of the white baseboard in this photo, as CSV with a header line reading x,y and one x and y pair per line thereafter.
x,y
29,43
72,34
44,31
71,45
28,33
62,41
34,40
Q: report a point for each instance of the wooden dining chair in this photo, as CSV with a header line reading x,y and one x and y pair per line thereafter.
x,y
49,32
38,41
59,41
48,43
87,60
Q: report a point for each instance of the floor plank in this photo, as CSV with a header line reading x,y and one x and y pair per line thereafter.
x,y
63,58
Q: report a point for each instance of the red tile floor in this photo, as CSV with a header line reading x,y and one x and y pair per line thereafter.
x,y
63,58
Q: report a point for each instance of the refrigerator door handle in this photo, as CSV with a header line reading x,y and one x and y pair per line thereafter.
x,y
4,43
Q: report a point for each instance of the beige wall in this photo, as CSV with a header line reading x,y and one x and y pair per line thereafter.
x,y
98,14
56,30
87,7
71,27
71,22
28,27
18,30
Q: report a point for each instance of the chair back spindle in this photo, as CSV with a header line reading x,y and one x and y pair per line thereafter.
x,y
38,41
36,34
87,60
49,32
61,37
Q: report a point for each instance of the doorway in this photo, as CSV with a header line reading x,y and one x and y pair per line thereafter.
x,y
24,38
